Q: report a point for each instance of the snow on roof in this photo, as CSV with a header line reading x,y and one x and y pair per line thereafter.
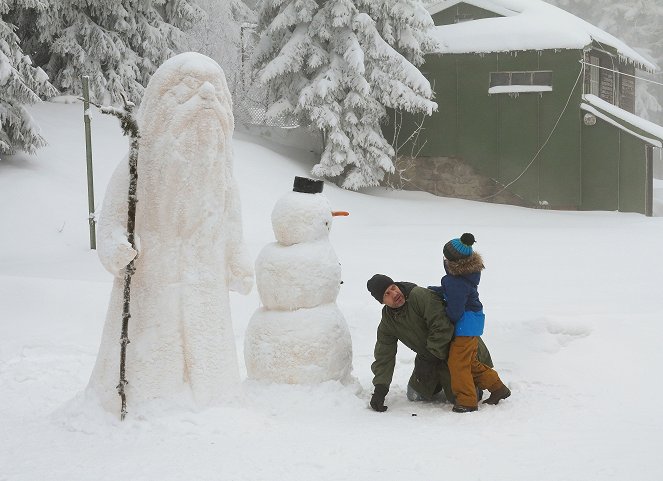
x,y
600,107
525,25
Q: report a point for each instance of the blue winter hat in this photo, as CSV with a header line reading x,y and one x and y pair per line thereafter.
x,y
457,249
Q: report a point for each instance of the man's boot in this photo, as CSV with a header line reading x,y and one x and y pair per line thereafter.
x,y
464,409
497,395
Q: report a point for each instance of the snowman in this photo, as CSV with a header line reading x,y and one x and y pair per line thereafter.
x,y
299,336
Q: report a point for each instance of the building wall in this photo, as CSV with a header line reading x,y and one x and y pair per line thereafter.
x,y
451,177
614,88
616,170
461,12
499,135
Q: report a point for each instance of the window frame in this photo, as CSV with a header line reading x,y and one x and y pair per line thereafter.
x,y
594,75
520,81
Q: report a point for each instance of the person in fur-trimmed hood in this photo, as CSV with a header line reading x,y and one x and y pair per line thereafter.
x,y
460,290
415,317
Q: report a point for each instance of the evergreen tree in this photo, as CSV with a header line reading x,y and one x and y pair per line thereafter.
x,y
331,67
286,54
20,83
219,35
406,25
118,44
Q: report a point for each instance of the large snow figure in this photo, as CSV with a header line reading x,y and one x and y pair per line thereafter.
x,y
300,335
188,224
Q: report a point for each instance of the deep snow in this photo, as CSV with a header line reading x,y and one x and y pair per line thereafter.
x,y
573,303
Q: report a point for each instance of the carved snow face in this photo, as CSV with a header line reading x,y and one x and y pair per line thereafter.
x,y
299,217
188,105
185,151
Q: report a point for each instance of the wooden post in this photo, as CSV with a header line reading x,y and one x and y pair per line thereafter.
x,y
88,156
130,129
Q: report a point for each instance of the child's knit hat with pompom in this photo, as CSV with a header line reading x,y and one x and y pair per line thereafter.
x,y
457,249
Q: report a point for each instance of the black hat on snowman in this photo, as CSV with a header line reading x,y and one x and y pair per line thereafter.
x,y
307,186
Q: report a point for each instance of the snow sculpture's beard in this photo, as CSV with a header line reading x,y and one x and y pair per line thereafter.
x,y
185,153
200,131
182,340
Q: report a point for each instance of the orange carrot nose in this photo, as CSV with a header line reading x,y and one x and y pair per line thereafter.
x,y
336,213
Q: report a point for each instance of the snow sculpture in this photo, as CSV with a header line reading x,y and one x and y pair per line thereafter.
x,y
189,232
299,336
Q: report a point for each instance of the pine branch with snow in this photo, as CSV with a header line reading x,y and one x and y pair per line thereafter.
x,y
118,45
20,84
219,34
405,25
332,69
286,56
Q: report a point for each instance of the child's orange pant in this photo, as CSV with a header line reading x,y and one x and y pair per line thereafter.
x,y
466,371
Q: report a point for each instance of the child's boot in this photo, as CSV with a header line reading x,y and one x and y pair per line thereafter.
x,y
497,395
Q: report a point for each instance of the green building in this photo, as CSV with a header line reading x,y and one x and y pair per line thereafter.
x,y
535,103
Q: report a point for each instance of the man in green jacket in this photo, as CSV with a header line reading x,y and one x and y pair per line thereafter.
x,y
415,316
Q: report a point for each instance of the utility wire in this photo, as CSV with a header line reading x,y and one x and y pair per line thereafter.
x,y
620,73
542,145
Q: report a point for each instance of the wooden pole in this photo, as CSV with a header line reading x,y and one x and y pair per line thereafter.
x,y
88,156
130,129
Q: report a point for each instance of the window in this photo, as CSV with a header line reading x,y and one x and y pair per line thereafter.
x,y
518,82
594,76
617,88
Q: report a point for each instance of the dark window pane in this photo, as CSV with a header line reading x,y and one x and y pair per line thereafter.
x,y
521,78
542,78
499,78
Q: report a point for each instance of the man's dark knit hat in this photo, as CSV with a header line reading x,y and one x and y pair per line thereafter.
x,y
457,249
377,285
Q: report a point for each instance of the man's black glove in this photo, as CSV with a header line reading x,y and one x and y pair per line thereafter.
x,y
377,401
425,369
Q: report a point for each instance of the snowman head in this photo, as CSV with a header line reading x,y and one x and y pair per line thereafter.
x,y
303,215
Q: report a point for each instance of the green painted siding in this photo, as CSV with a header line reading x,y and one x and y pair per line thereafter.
x,y
461,11
442,133
633,176
600,167
518,143
560,158
616,170
519,129
538,138
500,134
477,113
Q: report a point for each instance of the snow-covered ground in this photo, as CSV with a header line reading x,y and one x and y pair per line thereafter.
x,y
574,311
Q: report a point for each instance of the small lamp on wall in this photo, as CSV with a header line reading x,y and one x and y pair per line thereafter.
x,y
589,119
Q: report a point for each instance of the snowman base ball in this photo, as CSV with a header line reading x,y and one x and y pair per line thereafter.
x,y
305,346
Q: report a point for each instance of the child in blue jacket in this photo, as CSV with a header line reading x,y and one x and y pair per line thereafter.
x,y
459,289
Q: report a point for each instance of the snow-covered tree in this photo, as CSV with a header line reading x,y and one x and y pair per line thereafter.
x,y
330,66
406,25
286,54
219,35
118,44
20,83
